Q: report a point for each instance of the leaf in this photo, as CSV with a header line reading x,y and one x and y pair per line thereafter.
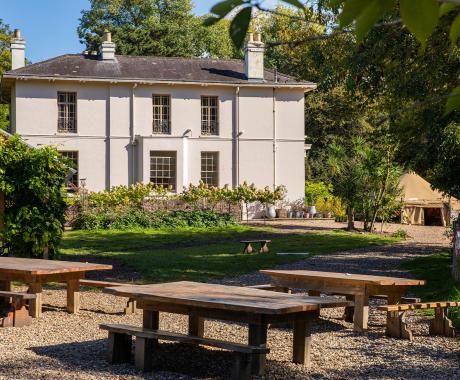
x,y
211,20
420,17
224,7
240,25
453,102
351,11
295,3
455,30
371,14
446,8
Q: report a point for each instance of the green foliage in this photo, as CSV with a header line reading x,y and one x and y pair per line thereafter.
x,y
400,233
154,27
129,218
317,190
5,65
32,180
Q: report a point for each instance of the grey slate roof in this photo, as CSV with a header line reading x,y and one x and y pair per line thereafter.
x,y
148,69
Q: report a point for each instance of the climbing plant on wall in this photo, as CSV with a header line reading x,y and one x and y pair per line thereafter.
x,y
32,181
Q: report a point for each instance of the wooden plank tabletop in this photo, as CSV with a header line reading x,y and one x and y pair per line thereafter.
x,y
224,297
334,277
20,265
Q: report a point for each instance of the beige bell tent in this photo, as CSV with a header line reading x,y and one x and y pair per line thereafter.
x,y
422,204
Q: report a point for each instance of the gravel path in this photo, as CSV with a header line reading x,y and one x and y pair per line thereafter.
x,y
63,346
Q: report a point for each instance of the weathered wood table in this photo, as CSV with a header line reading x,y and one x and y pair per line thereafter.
x,y
356,287
36,272
257,308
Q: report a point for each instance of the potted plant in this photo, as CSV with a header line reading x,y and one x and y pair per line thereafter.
x,y
269,198
314,191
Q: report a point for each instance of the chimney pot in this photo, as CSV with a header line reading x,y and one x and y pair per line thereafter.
x,y
258,37
107,47
107,36
17,33
251,37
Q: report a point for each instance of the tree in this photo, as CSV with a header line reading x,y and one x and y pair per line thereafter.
x,y
5,65
153,27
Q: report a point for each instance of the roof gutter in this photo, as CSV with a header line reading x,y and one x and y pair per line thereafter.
x,y
306,86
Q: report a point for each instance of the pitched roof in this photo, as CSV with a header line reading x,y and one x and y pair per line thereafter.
x,y
156,69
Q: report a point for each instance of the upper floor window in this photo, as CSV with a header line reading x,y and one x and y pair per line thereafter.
x,y
72,156
67,112
163,169
210,168
209,115
161,114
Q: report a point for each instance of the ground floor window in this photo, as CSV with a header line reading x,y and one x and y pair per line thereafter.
x,y
72,156
163,168
210,168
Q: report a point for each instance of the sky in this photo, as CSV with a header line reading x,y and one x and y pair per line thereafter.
x,y
50,26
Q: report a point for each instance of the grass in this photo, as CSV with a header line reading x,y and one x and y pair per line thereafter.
x,y
199,255
436,270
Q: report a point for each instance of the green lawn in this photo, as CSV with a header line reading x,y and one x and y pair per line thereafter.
x,y
436,270
202,254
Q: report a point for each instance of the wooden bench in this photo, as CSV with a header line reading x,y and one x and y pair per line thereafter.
x,y
396,318
130,305
17,314
120,342
248,245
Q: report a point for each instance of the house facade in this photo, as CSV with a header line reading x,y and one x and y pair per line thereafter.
x,y
171,121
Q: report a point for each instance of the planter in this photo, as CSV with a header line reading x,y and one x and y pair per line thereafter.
x,y
290,214
312,210
297,214
270,212
318,215
281,213
328,215
306,215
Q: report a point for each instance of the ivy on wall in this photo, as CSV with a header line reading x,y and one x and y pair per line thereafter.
x,y
32,181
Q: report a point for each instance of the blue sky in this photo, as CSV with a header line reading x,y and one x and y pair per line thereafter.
x,y
50,26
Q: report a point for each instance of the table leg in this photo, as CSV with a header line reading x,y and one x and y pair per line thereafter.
x,y
258,337
195,326
349,310
151,320
361,314
248,248
35,306
302,342
73,296
5,286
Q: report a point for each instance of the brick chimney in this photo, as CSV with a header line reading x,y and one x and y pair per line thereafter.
x,y
108,47
254,50
17,48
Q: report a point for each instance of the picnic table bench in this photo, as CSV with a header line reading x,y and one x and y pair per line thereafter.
x,y
356,287
199,301
36,272
16,314
396,318
263,245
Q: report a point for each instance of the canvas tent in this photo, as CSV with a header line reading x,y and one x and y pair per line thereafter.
x,y
422,204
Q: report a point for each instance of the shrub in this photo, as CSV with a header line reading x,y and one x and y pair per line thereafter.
x,y
316,190
32,181
129,218
400,234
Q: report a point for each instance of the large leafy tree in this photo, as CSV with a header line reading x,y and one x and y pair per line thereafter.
x,y
5,65
153,27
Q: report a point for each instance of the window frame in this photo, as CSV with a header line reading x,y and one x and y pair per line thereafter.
x,y
172,182
215,157
206,125
64,153
167,96
74,129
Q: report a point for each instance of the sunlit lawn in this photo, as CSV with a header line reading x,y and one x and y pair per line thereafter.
x,y
202,254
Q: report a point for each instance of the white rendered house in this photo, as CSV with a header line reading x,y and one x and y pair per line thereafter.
x,y
173,121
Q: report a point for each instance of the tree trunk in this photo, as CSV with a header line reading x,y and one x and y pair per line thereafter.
x,y
456,254
350,217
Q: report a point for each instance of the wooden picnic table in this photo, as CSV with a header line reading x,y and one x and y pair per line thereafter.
x,y
36,272
356,287
255,307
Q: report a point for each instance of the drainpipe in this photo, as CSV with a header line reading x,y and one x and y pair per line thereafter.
x,y
132,136
274,138
238,134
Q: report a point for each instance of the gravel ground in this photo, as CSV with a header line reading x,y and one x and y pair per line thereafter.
x,y
64,346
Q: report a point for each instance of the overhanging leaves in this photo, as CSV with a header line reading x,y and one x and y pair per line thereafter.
x,y
240,26
420,17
